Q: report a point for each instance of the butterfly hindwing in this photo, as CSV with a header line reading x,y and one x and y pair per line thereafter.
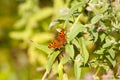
x,y
55,44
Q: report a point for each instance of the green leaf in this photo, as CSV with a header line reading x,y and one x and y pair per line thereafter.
x,y
101,51
96,18
76,43
60,71
75,7
112,53
77,71
106,67
77,68
107,44
70,50
51,60
74,32
95,34
65,59
55,67
42,47
104,7
113,62
102,37
84,50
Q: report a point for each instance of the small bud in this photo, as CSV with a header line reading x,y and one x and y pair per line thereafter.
x,y
101,29
64,10
88,8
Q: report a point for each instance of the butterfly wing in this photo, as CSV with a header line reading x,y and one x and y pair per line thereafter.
x,y
55,44
61,36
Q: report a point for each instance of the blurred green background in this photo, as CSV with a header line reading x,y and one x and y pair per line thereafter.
x,y
20,22
24,20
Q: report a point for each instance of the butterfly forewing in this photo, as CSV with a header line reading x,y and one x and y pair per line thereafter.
x,y
61,36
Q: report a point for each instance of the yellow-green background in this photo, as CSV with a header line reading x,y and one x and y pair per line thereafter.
x,y
20,22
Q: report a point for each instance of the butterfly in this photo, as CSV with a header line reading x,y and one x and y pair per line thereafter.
x,y
61,39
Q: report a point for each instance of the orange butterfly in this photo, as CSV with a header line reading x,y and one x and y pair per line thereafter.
x,y
61,39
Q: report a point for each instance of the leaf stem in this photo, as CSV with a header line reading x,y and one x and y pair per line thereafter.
x,y
97,71
75,22
45,75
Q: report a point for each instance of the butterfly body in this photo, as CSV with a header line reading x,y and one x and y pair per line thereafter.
x,y
58,43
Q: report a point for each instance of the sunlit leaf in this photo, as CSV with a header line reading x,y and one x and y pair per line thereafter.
x,y
77,71
101,51
107,44
104,7
76,43
77,68
84,50
70,50
65,59
113,62
55,68
95,34
51,60
102,37
60,71
96,18
75,31
75,7
41,47
112,53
